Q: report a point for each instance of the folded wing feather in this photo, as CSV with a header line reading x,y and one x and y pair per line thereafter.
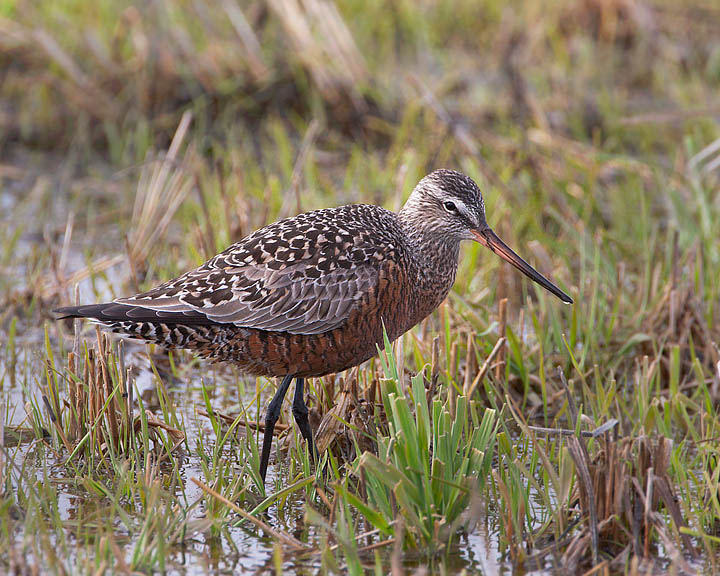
x,y
294,298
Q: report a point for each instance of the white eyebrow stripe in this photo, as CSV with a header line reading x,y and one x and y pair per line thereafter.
x,y
462,208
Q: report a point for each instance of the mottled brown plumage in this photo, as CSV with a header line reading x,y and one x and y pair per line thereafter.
x,y
309,295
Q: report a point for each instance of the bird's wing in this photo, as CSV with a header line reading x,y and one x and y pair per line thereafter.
x,y
284,277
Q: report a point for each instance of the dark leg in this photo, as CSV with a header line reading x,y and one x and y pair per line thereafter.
x,y
271,416
300,412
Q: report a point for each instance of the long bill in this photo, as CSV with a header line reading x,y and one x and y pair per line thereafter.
x,y
490,240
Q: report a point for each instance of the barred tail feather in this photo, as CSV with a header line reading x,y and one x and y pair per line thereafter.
x,y
167,335
170,330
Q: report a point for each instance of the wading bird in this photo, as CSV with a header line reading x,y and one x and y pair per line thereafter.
x,y
309,295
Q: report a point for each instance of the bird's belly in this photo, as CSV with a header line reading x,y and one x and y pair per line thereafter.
x,y
266,353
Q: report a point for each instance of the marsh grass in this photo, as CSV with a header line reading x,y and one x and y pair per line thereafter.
x,y
590,127
428,464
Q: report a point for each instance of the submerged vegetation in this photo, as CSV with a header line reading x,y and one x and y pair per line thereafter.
x,y
506,432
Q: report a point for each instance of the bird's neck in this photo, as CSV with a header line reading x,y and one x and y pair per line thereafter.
x,y
434,252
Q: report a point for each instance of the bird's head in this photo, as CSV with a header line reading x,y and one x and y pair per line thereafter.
x,y
449,204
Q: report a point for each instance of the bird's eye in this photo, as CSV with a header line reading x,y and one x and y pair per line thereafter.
x,y
450,206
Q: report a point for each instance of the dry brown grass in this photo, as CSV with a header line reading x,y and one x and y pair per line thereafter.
x,y
96,412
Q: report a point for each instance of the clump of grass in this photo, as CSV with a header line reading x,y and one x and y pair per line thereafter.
x,y
349,415
610,495
626,499
428,464
95,419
